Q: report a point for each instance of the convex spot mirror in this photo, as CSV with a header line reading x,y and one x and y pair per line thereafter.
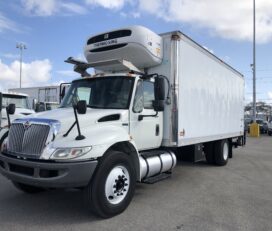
x,y
81,107
11,109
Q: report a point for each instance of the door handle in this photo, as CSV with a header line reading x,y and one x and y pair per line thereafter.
x,y
157,129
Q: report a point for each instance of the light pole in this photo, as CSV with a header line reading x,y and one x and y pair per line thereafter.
x,y
254,66
21,46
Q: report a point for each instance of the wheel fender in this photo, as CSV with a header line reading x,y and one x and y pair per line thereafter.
x,y
3,131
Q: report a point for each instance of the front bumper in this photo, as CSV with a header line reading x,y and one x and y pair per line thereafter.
x,y
47,174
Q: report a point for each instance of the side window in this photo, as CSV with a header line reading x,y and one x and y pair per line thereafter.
x,y
138,103
148,94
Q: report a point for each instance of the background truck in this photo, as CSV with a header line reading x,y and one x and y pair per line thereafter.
x,y
23,108
45,97
153,98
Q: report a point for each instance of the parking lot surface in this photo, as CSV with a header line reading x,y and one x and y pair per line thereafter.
x,y
196,197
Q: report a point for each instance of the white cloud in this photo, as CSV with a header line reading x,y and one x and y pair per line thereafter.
x,y
10,56
269,95
130,14
33,74
73,8
109,4
51,7
225,18
229,19
7,24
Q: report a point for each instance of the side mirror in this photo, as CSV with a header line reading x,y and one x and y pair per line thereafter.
x,y
159,89
81,107
62,94
158,105
11,109
159,92
0,101
34,103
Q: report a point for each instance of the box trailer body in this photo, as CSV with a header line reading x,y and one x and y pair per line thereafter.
x,y
152,98
208,94
41,94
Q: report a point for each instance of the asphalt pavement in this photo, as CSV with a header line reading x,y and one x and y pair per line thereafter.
x,y
197,197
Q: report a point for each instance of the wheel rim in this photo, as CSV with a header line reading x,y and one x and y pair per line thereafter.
x,y
117,184
225,151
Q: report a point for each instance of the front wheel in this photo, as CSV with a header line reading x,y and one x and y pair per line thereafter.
x,y
112,187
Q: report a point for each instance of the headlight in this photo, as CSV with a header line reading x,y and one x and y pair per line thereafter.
x,y
69,153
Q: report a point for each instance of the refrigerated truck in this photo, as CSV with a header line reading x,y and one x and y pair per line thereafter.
x,y
153,98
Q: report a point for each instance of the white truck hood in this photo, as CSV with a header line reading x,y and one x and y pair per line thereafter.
x,y
66,117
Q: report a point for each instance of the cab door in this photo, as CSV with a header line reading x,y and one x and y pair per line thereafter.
x,y
145,123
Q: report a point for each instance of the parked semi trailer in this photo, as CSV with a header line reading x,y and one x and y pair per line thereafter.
x,y
153,98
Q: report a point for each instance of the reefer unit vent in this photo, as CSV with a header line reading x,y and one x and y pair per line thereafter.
x,y
136,44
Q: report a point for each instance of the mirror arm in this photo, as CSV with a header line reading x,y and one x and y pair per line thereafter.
x,y
70,129
8,117
79,137
140,117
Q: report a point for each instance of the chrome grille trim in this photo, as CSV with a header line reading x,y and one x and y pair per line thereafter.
x,y
27,142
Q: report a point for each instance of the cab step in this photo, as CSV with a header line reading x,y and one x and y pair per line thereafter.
x,y
157,178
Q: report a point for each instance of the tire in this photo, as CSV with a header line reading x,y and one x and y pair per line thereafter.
x,y
209,152
27,188
221,152
112,186
269,133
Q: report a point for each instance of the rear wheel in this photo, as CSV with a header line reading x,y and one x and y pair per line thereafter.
x,y
221,152
269,133
112,187
27,188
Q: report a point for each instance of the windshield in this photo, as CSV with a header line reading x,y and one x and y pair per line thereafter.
x,y
103,92
19,101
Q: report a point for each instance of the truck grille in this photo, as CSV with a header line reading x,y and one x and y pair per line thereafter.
x,y
29,141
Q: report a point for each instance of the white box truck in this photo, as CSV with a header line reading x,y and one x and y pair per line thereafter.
x,y
153,98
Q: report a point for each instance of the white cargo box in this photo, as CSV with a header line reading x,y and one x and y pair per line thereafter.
x,y
208,97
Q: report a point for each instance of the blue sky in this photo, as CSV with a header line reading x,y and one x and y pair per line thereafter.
x,y
56,29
